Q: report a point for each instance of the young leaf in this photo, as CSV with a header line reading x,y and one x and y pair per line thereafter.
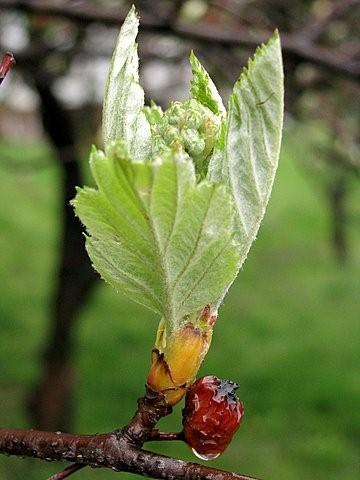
x,y
217,158
203,88
154,233
123,116
248,158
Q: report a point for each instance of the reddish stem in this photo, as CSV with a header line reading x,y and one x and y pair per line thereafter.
x,y
67,471
7,62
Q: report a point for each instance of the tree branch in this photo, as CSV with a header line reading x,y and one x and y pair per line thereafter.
x,y
120,450
110,450
292,44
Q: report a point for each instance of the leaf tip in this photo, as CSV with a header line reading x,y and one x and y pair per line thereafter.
x,y
260,52
275,35
193,59
133,12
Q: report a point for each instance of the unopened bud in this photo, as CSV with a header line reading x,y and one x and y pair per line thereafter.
x,y
189,126
177,359
153,113
171,134
175,114
194,144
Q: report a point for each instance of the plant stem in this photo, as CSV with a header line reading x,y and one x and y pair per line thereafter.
x,y
7,62
67,471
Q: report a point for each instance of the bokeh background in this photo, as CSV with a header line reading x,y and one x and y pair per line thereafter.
x,y
73,353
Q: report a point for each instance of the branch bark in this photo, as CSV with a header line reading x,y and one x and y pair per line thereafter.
x,y
120,450
293,45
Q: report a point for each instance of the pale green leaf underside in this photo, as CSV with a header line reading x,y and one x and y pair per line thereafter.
x,y
157,236
123,116
252,140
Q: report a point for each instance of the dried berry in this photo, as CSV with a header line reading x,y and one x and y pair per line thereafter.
x,y
211,416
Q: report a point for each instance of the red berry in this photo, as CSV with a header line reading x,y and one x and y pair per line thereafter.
x,y
211,416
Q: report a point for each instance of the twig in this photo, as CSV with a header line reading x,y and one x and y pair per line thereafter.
x,y
67,471
7,62
292,44
111,450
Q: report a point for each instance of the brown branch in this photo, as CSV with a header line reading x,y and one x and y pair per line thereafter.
x,y
109,450
292,44
120,450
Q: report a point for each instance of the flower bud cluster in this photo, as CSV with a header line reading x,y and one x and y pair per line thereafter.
x,y
188,127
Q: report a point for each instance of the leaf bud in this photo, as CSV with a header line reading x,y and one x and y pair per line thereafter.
x,y
175,114
190,125
193,119
171,134
194,144
153,114
178,356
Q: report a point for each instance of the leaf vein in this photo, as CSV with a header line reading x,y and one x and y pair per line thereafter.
x,y
208,268
197,241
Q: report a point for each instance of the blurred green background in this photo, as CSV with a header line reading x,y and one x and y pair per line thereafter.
x,y
288,331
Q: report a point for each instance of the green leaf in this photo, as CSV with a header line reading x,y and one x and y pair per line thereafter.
x,y
158,236
217,158
248,158
123,116
203,88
